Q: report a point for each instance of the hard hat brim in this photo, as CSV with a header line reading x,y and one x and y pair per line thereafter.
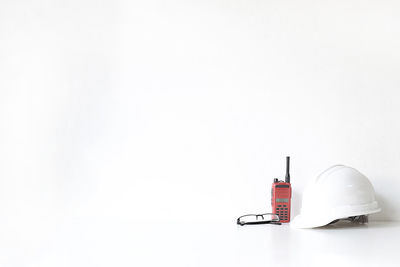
x,y
302,222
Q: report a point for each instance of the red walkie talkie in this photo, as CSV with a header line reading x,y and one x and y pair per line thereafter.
x,y
281,192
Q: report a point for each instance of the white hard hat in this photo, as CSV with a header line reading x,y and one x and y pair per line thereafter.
x,y
338,192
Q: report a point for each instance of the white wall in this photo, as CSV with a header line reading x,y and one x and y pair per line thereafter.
x,y
185,110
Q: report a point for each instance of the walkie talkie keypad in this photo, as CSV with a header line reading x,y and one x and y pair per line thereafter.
x,y
283,212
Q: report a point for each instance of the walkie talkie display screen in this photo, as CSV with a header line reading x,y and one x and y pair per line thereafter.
x,y
282,200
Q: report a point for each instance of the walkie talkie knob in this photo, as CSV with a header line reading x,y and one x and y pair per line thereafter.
x,y
275,180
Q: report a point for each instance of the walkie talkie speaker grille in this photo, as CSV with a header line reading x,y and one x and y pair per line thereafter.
x,y
338,192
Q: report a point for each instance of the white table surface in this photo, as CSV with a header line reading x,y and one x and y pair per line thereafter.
x,y
90,242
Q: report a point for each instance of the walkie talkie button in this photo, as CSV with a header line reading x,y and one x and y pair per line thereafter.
x,y
279,205
285,208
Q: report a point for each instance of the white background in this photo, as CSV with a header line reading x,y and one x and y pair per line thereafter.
x,y
184,111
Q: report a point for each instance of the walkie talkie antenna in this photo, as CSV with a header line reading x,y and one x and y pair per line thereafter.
x,y
287,177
